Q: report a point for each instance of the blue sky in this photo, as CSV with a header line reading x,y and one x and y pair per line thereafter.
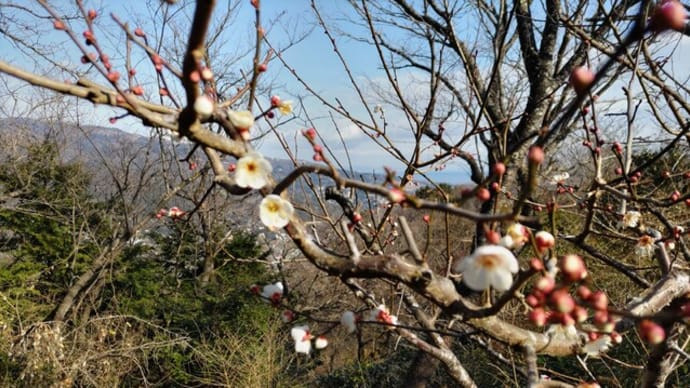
x,y
314,60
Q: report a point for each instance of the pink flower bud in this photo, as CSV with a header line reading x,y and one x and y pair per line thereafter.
x,y
599,300
275,101
532,301
668,14
573,268
544,240
92,14
58,25
113,76
537,316
581,79
536,264
396,195
426,218
579,314
139,32
492,237
584,292
562,301
651,332
499,169
483,194
137,90
310,133
157,60
545,284
535,155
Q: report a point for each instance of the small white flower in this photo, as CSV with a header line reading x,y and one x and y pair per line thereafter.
x,y
381,314
285,107
275,212
597,347
272,292
302,338
631,219
516,236
252,171
321,342
349,320
242,120
203,106
560,178
488,266
645,246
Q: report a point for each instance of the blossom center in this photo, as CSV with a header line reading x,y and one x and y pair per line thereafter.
x,y
488,261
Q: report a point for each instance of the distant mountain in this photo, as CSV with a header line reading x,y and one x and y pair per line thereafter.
x,y
84,142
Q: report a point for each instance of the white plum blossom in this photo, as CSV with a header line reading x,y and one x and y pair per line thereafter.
x,y
645,246
631,219
252,171
302,338
516,236
320,342
560,178
203,106
597,347
242,120
272,292
275,212
489,266
285,107
349,320
381,314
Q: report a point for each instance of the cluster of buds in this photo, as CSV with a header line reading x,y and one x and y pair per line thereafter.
x,y
310,135
174,213
552,302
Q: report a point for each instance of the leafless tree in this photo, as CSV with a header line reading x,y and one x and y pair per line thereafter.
x,y
496,97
